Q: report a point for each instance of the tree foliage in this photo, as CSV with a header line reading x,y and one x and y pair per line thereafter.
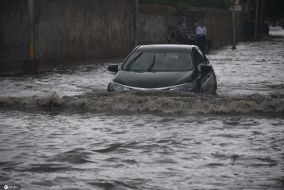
x,y
273,9
184,4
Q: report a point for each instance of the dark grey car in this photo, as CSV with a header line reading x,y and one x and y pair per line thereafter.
x,y
164,67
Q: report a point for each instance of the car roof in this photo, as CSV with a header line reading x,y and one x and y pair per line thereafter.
x,y
166,47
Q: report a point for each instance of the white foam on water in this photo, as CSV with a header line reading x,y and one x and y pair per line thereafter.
x,y
151,102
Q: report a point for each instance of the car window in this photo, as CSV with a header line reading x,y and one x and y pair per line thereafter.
x,y
139,61
159,61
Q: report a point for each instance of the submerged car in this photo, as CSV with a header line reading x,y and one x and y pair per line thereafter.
x,y
165,68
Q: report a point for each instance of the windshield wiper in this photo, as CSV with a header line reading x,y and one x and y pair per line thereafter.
x,y
152,64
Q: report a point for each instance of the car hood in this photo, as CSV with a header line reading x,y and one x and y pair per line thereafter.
x,y
152,79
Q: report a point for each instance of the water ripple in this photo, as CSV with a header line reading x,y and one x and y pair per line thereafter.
x,y
75,156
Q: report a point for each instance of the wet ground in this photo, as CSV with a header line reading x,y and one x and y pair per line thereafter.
x,y
62,130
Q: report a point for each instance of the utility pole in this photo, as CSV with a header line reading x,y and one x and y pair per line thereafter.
x,y
261,19
31,30
234,24
30,65
136,22
256,20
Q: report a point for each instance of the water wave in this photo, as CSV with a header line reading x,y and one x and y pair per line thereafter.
x,y
75,156
153,102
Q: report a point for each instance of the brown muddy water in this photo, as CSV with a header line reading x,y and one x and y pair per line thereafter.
x,y
62,130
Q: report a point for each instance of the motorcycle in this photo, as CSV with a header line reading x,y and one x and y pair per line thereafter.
x,y
188,38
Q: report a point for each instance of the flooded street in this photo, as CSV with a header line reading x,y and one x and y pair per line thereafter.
x,y
62,130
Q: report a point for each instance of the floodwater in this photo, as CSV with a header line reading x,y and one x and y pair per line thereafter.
x,y
62,130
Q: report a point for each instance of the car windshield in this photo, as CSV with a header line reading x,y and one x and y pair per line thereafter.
x,y
149,61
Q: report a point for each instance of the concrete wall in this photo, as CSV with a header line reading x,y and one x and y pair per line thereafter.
x,y
83,29
66,31
13,34
155,24
152,29
218,23
69,31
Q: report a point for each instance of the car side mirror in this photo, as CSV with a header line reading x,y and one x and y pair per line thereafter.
x,y
204,68
113,68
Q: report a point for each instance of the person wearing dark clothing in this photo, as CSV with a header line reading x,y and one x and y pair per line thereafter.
x,y
181,32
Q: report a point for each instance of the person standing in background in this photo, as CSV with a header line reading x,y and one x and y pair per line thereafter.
x,y
182,32
201,33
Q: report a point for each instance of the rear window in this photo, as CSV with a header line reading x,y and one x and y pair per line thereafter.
x,y
165,61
